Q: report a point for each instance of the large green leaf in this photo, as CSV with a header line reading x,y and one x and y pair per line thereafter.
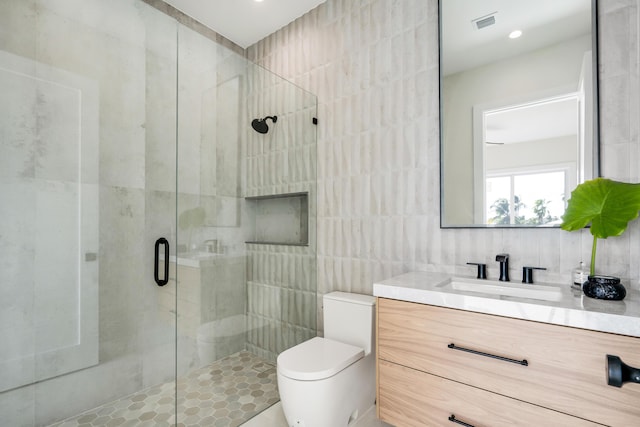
x,y
608,205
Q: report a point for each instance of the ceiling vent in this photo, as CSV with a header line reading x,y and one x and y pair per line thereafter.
x,y
484,21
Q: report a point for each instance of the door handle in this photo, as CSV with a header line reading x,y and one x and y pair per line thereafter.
x,y
156,262
619,372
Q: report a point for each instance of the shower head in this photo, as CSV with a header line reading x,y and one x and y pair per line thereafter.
x,y
260,125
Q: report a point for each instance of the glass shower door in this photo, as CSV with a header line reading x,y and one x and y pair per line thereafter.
x,y
87,186
246,231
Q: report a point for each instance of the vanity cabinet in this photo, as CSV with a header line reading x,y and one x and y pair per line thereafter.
x,y
485,370
411,397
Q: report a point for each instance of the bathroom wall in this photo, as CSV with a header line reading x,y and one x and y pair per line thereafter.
x,y
281,278
374,66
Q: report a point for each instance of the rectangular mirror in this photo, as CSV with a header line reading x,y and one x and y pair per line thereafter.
x,y
518,109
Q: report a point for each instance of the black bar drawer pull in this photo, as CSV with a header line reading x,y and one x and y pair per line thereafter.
x,y
156,262
453,419
522,362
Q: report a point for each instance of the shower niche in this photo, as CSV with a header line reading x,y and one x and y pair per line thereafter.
x,y
279,219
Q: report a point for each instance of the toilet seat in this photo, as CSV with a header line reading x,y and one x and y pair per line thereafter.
x,y
317,358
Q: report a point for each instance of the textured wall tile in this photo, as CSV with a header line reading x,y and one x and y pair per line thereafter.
x,y
388,134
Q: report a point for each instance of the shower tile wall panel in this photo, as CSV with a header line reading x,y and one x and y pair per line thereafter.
x,y
281,295
374,66
368,64
281,280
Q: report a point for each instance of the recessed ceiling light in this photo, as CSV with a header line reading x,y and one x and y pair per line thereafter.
x,y
258,1
515,34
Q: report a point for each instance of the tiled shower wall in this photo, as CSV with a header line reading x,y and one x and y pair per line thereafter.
x,y
281,298
374,67
281,279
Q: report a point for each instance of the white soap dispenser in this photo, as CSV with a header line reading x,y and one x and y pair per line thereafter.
x,y
580,275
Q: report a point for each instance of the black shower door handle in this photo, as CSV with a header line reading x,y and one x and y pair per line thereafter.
x,y
156,262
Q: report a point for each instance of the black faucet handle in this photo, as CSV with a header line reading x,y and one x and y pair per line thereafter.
x,y
502,257
482,269
527,274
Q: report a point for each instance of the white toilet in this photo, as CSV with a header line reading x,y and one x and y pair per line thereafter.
x,y
330,381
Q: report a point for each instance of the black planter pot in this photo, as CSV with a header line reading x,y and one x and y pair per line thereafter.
x,y
604,287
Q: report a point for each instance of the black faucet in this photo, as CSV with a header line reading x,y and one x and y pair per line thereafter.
x,y
503,259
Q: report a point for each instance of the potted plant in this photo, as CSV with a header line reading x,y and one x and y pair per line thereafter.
x,y
608,206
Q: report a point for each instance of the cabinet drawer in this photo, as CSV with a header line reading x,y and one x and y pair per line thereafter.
x,y
566,367
413,398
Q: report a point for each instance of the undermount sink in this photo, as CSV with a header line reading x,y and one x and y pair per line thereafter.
x,y
508,289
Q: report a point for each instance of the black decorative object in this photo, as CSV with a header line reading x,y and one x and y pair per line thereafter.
x,y
604,287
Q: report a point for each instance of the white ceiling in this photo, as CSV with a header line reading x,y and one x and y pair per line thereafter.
x,y
245,22
543,23
533,122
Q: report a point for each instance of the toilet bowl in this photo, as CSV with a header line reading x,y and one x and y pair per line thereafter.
x,y
221,338
330,381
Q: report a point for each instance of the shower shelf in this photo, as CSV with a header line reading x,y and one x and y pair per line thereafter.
x,y
279,219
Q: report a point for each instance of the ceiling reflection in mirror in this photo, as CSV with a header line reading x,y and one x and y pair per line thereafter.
x,y
518,115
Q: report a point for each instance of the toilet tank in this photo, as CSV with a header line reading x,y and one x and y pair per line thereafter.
x,y
350,319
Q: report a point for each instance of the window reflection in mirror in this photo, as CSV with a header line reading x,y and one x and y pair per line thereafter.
x,y
518,116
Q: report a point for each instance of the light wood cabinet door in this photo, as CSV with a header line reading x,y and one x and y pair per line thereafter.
x,y
565,369
413,398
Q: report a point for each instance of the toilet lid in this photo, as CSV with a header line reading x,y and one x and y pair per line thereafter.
x,y
317,358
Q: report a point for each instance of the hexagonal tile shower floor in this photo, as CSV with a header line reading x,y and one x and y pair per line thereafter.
x,y
225,393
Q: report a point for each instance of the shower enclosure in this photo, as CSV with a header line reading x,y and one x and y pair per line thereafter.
x,y
122,125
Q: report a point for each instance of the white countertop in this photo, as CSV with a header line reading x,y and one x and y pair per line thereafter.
x,y
196,259
573,309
